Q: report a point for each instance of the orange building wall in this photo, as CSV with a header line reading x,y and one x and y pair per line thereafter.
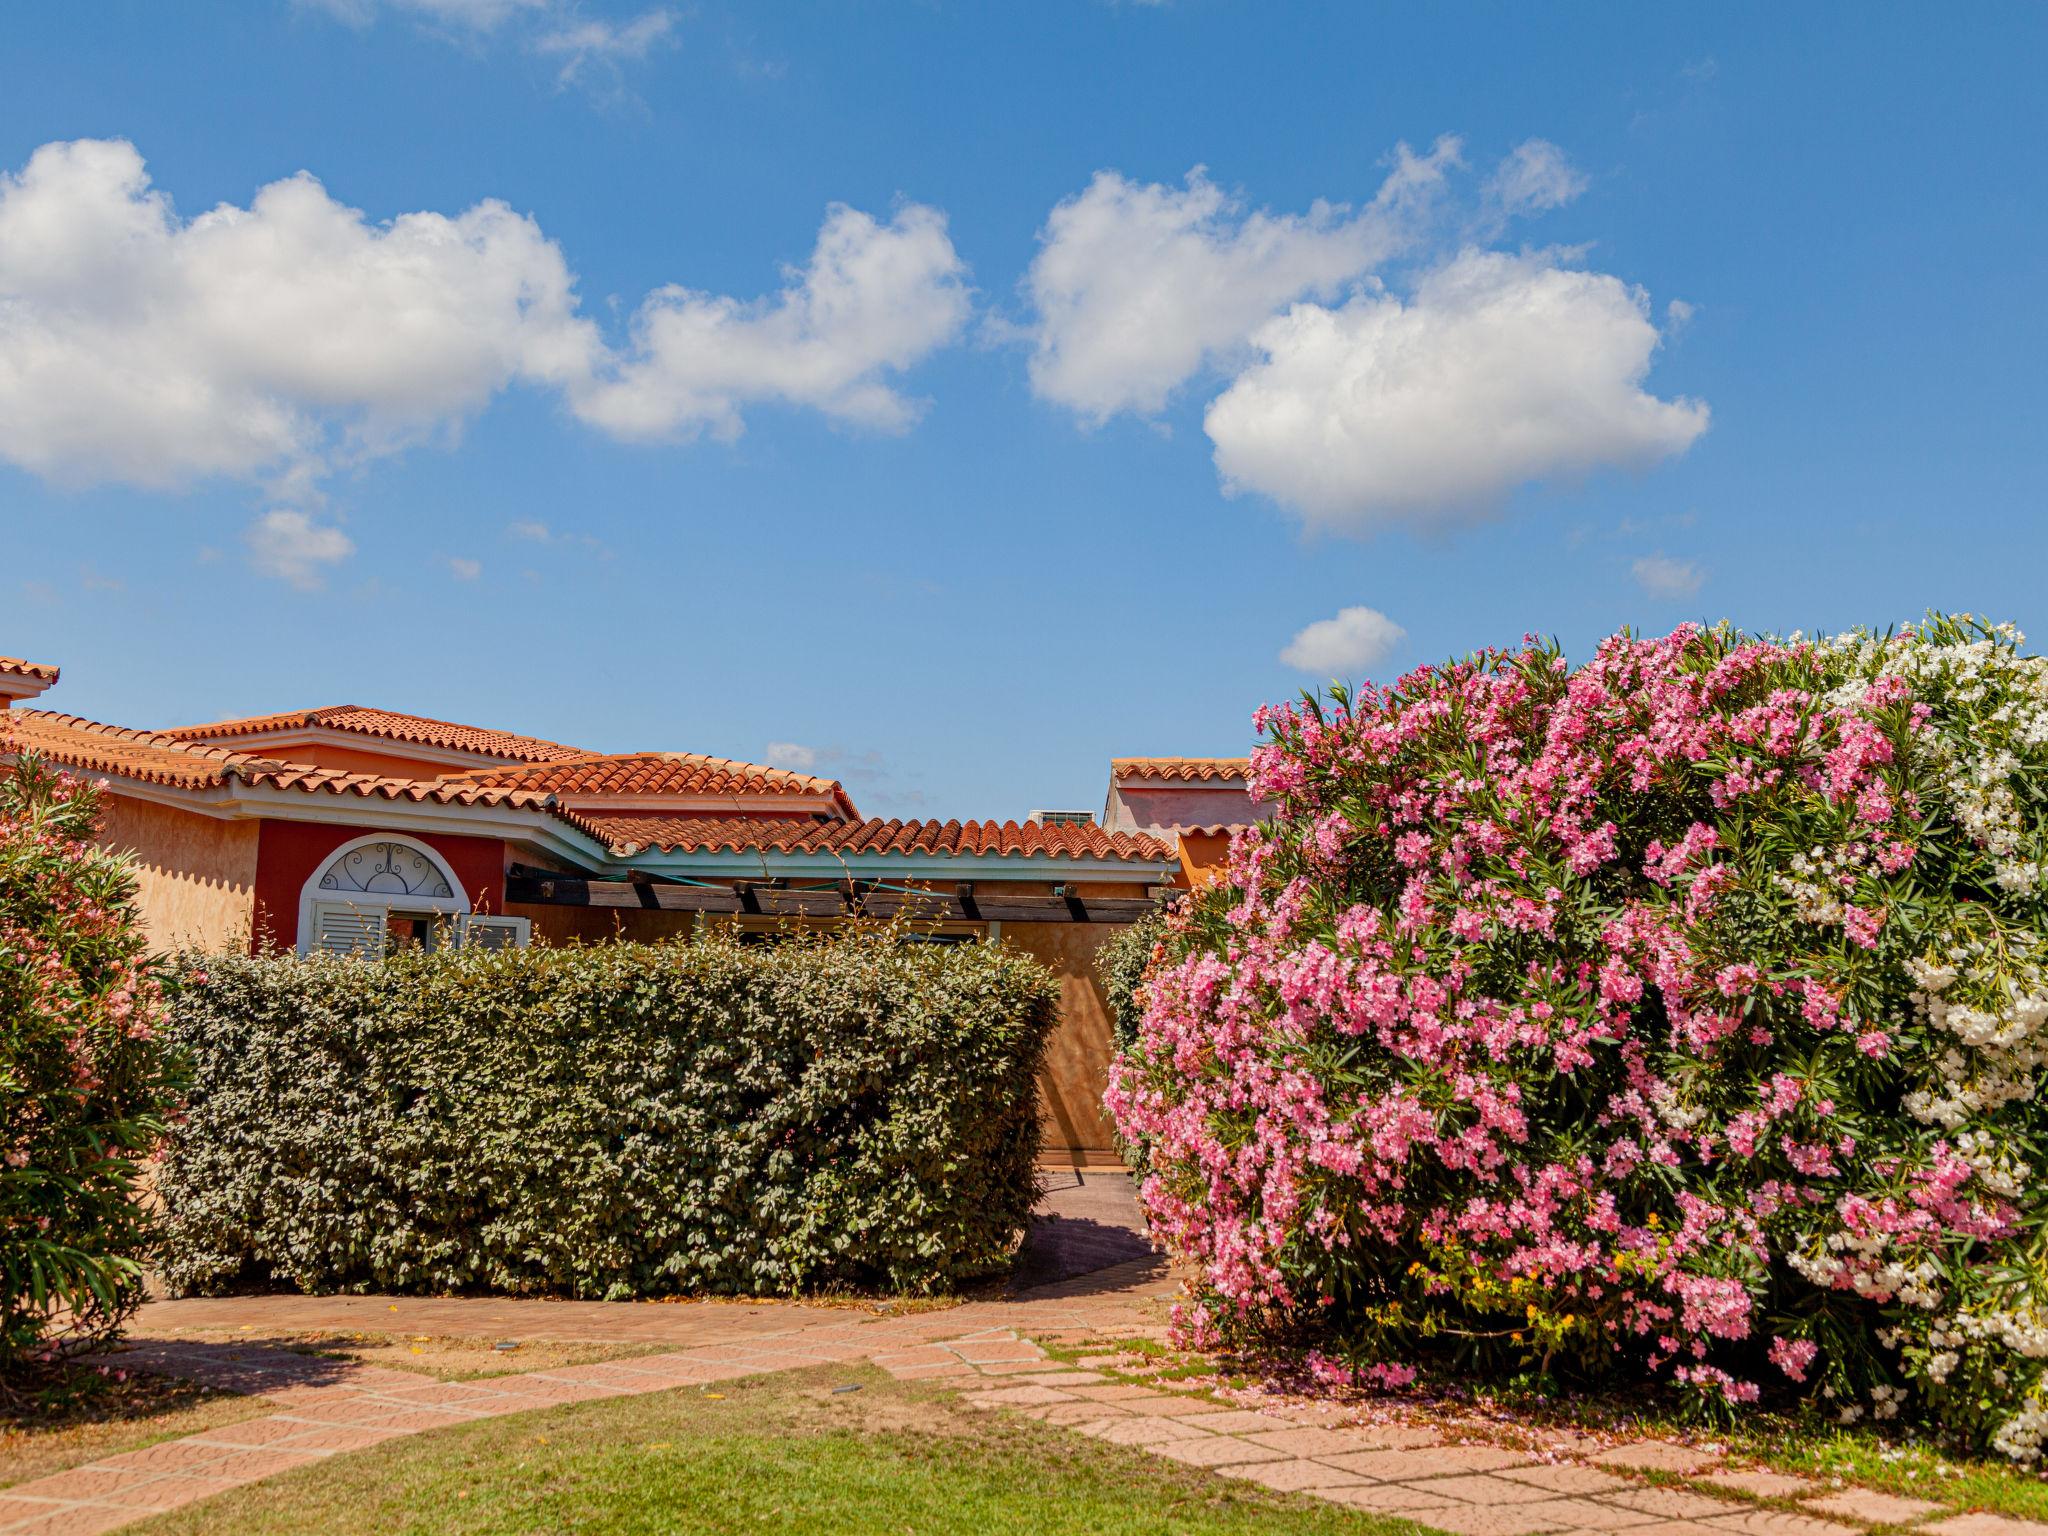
x,y
195,875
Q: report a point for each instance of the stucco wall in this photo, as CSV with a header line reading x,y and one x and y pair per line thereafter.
x,y
195,876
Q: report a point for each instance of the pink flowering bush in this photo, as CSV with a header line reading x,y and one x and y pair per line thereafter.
x,y
1679,1016
84,1083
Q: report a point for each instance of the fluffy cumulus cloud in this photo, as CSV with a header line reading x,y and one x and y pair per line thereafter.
x,y
1137,285
277,342
140,347
874,299
1662,576
293,547
1498,369
1354,641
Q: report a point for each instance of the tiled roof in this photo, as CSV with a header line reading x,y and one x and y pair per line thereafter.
x,y
651,773
389,726
155,758
1126,769
14,666
1008,838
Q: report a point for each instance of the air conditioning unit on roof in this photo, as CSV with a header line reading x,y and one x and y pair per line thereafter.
x,y
1062,818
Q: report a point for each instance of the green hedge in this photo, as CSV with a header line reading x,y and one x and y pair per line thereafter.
x,y
612,1121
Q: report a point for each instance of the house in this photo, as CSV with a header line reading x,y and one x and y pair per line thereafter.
x,y
1191,803
350,830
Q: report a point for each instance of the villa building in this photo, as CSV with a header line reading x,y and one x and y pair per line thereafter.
x,y
351,830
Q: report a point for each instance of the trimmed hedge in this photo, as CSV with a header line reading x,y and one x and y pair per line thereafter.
x,y
613,1121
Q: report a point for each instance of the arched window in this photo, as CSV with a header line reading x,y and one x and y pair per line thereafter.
x,y
378,893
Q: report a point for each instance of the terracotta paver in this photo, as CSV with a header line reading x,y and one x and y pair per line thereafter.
x,y
1217,1451
1294,1475
1567,1477
1778,1522
1673,1503
1438,1461
1764,1484
1658,1456
1870,1507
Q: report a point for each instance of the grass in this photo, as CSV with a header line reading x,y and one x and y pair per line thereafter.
x,y
85,1415
782,1453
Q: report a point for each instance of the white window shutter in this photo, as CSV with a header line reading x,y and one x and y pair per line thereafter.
x,y
473,928
342,928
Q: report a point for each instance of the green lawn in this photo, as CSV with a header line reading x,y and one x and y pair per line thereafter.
x,y
774,1454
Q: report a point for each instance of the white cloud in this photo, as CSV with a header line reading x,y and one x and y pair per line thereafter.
x,y
1535,178
532,532
792,755
1661,576
874,299
1355,640
1498,370
138,346
279,341
292,547
589,44
1137,284
463,568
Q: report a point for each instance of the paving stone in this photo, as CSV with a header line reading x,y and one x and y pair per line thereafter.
x,y
1019,1397
74,1520
1240,1421
1216,1451
1565,1477
996,1351
1116,1392
1872,1507
253,1432
85,1484
1673,1503
165,1456
1412,1499
1293,1475
1496,1520
1657,1456
338,1438
1984,1525
1777,1522
1440,1461
1593,1515
1082,1413
1143,1431
1320,1442
176,1491
1674,1528
1063,1379
1760,1482
248,1466
1489,1488
1154,1405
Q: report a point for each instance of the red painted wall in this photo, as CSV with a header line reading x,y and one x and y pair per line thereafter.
x,y
289,852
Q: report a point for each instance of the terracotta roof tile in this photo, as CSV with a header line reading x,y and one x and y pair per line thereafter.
x,y
1124,769
153,757
389,725
651,773
14,666
1005,838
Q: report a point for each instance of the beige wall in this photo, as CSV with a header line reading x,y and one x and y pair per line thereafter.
x,y
195,876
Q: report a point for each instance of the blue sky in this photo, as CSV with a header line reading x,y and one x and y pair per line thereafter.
x,y
1048,453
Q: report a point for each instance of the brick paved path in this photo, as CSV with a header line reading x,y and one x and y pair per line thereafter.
x,y
990,1353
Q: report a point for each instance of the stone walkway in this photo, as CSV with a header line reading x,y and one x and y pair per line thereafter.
x,y
992,1353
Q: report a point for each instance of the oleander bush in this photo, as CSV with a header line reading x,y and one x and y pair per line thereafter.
x,y
85,1081
1120,965
609,1121
1677,1016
